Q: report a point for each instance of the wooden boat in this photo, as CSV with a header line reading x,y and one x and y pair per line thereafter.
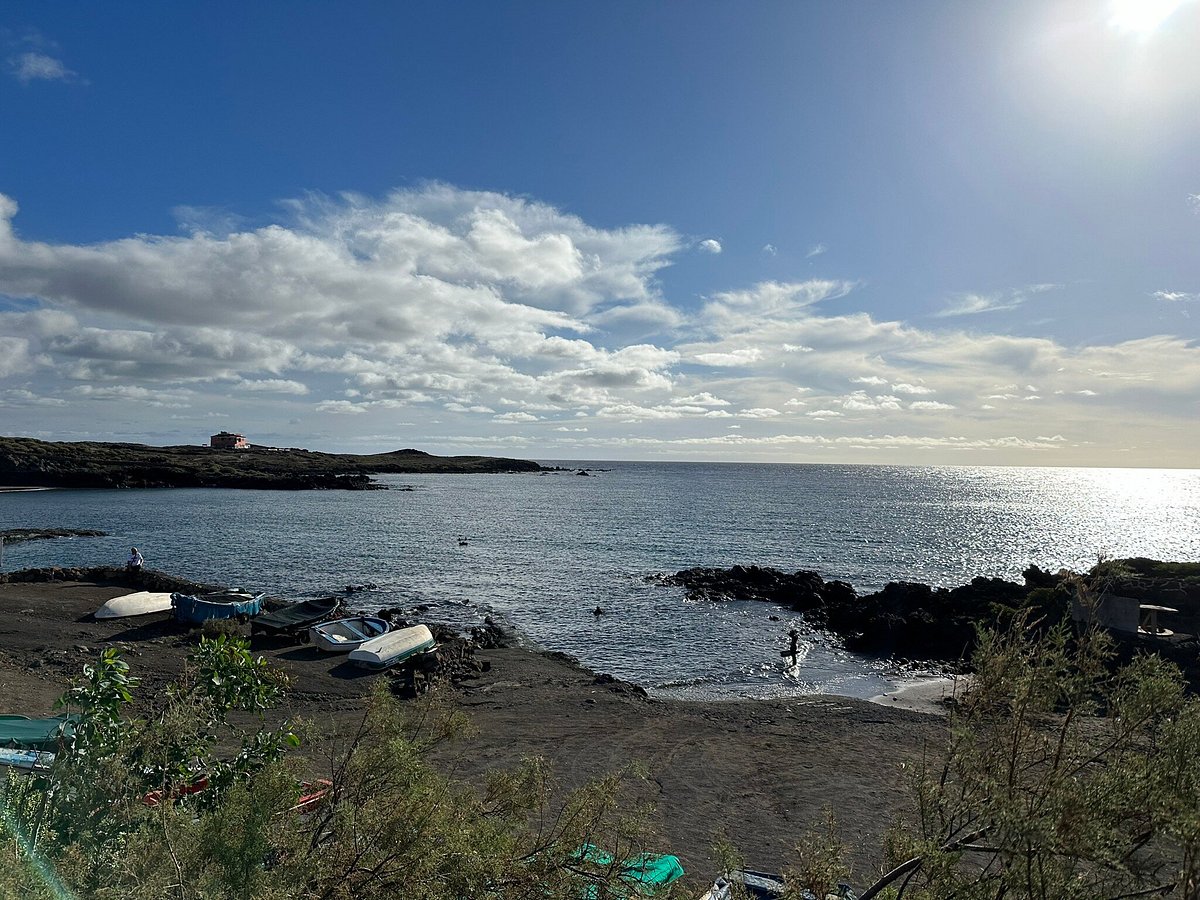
x,y
393,648
296,617
344,635
217,605
143,603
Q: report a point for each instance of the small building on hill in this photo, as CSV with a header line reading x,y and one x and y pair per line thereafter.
x,y
227,440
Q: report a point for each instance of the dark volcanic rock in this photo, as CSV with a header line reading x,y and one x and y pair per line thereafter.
x,y
134,579
917,621
904,619
20,535
801,591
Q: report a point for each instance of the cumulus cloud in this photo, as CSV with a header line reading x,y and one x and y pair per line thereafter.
x,y
742,357
769,250
14,356
710,245
1175,296
519,323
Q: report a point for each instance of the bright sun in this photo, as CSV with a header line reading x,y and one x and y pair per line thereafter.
x,y
1141,16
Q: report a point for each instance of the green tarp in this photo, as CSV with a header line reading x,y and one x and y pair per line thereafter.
x,y
24,733
646,873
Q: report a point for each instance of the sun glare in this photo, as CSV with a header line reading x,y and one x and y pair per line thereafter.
x,y
1141,16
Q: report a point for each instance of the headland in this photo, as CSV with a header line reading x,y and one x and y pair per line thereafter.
x,y
88,464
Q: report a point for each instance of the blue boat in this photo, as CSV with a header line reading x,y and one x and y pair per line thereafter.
x,y
199,608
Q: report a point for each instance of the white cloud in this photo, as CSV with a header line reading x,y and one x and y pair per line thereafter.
x,y
273,386
710,245
456,304
341,407
37,66
702,399
1176,296
815,250
929,404
973,304
759,413
742,357
970,304
14,356
769,250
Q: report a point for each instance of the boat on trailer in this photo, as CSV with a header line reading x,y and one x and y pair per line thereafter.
x,y
393,648
198,608
344,635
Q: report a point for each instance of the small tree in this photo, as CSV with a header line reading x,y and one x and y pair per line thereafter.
x,y
1063,778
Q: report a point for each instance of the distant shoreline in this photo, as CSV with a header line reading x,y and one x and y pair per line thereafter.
x,y
31,464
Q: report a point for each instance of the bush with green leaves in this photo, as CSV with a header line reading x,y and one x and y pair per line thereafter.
x,y
1064,778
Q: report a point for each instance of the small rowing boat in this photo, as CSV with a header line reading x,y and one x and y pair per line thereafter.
x,y
393,648
143,603
296,617
217,605
26,760
344,635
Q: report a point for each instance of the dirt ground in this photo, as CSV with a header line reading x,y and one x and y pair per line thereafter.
x,y
759,771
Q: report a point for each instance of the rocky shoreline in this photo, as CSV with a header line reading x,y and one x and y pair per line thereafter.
x,y
910,620
758,771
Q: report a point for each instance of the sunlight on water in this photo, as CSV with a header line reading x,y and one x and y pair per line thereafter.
x,y
543,552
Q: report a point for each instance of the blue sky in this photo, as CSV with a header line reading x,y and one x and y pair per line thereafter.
x,y
827,231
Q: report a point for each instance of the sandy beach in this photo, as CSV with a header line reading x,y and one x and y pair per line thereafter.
x,y
758,771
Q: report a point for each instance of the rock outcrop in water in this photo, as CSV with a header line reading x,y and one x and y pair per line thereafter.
x,y
21,535
917,621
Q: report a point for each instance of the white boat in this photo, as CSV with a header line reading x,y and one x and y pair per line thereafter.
x,y
344,635
143,603
26,760
393,648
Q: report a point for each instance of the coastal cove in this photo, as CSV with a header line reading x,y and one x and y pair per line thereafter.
x,y
542,553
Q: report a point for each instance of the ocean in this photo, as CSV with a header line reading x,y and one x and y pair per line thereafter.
x,y
543,551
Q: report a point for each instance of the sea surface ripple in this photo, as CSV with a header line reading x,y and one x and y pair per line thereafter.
x,y
542,552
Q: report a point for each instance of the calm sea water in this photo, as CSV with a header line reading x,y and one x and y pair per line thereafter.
x,y
544,551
